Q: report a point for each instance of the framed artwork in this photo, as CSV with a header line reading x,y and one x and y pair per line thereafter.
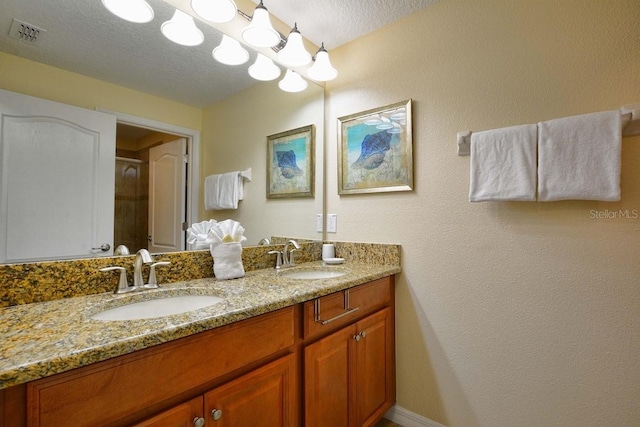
x,y
291,163
375,150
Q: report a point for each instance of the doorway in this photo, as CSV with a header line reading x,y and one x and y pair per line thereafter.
x,y
144,127
150,201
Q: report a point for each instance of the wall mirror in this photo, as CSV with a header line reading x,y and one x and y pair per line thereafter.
x,y
238,112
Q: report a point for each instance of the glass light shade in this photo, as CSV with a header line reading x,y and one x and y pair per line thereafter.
x,y
294,54
230,52
264,69
137,11
219,11
322,70
182,30
260,32
292,82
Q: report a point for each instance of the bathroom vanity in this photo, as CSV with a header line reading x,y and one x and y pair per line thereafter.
x,y
275,352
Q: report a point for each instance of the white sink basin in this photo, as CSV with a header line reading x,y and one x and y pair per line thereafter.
x,y
313,274
160,307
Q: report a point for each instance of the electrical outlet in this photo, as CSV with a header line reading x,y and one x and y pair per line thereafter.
x,y
332,223
319,224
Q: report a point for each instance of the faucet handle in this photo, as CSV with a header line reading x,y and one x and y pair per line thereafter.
x,y
153,281
278,258
291,260
123,285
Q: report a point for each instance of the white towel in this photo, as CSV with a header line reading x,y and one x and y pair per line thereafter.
x,y
223,191
503,164
227,260
579,157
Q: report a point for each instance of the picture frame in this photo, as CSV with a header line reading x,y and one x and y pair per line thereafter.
x,y
375,150
291,163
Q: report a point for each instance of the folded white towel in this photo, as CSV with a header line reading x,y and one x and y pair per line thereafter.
x,y
579,157
223,191
227,260
503,164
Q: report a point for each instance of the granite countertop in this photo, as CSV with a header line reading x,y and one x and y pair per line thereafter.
x,y
42,339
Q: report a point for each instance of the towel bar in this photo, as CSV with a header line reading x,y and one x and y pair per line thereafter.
x,y
630,126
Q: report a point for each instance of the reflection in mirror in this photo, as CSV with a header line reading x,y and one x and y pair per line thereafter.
x,y
235,138
238,112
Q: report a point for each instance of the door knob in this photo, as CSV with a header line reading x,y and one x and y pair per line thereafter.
x,y
104,247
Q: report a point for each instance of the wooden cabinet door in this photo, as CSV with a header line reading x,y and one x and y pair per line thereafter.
x,y
184,415
374,366
265,397
328,379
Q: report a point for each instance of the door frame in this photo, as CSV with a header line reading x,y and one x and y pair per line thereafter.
x,y
193,153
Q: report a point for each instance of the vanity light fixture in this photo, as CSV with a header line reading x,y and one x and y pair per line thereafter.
x,y
294,54
137,11
230,52
260,32
181,29
264,69
219,11
292,82
322,70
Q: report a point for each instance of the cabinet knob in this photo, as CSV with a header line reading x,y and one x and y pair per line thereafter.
x,y
198,422
363,334
216,414
356,337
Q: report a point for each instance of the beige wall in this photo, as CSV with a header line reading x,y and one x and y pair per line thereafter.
x,y
36,79
509,314
235,138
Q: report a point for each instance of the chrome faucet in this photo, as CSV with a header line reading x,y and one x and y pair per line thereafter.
x,y
284,258
142,257
287,260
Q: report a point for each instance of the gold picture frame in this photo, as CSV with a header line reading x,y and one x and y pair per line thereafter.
x,y
291,163
375,150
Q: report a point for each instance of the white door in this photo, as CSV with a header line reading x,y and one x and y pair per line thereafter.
x,y
56,180
167,189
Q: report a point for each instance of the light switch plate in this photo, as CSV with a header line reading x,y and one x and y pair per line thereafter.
x,y
319,225
332,223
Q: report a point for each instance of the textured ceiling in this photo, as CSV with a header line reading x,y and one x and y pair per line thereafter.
x,y
83,37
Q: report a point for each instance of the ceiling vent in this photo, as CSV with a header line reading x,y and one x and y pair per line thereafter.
x,y
26,32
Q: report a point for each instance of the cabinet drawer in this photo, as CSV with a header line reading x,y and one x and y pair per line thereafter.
x,y
325,314
109,391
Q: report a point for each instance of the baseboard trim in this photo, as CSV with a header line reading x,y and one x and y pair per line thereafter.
x,y
406,418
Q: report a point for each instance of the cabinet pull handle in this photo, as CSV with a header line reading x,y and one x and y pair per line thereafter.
x,y
347,310
198,422
216,414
